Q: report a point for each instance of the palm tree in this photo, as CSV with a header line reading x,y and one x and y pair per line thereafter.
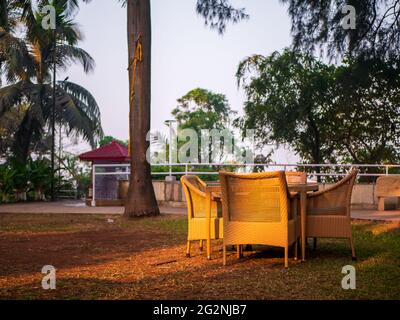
x,y
27,64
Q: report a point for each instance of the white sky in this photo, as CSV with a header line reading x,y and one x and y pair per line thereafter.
x,y
186,55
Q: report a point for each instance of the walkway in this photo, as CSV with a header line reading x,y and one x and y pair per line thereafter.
x,y
78,207
374,215
71,207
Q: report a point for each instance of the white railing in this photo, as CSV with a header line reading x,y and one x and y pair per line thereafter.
x,y
190,168
284,167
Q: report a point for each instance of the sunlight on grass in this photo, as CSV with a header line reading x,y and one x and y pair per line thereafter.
x,y
106,256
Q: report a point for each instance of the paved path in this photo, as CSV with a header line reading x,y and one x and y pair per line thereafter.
x,y
374,215
78,207
72,207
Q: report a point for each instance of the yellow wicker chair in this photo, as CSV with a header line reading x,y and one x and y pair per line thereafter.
x,y
328,212
257,210
204,213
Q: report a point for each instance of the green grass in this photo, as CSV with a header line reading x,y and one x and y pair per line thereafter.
x,y
144,259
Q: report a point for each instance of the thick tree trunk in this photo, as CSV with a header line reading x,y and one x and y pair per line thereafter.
x,y
141,200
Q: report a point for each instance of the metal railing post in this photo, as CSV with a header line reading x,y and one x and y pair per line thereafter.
x,y
94,186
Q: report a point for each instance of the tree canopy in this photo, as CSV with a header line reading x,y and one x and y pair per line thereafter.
x,y
325,113
203,109
108,139
318,24
288,101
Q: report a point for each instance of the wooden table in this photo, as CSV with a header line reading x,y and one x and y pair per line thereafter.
x,y
302,190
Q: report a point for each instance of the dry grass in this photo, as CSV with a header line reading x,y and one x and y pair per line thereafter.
x,y
144,259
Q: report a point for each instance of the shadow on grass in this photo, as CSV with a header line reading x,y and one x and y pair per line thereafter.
x,y
259,275
29,253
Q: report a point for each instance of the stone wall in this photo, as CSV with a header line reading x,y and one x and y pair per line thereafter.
x,y
171,193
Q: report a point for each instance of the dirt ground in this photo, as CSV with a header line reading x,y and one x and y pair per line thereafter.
x,y
107,257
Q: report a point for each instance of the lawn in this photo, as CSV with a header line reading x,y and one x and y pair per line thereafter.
x,y
106,257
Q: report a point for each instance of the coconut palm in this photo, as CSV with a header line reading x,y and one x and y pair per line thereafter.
x,y
27,62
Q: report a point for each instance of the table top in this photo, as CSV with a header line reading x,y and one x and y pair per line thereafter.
x,y
307,187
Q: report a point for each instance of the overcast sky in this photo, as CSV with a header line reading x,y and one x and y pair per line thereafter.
x,y
186,55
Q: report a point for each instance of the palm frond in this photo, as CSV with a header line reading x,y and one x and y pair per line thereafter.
x,y
10,96
14,57
80,110
67,55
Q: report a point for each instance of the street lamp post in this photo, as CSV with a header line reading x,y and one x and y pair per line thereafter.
x,y
53,118
169,123
60,151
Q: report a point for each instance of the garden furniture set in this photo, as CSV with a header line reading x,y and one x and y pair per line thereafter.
x,y
278,209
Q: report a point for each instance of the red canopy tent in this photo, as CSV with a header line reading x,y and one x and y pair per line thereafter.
x,y
110,153
105,184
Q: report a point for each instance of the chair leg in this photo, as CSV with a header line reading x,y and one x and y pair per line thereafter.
x,y
296,249
224,255
381,204
353,250
239,251
208,249
201,245
287,257
188,249
315,243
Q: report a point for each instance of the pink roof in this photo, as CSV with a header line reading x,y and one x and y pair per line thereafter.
x,y
113,152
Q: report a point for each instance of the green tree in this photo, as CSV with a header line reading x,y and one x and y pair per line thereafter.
x,y
27,63
319,24
366,110
289,100
108,139
201,109
326,113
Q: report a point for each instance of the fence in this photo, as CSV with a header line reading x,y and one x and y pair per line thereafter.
x,y
122,171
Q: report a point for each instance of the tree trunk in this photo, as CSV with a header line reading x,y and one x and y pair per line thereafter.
x,y
23,138
141,200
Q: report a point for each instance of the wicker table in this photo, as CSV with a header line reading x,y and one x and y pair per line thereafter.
x,y
302,190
